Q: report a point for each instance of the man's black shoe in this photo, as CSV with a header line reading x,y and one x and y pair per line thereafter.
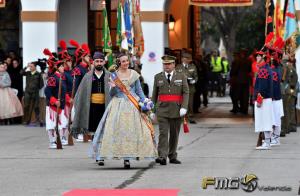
x,y
101,162
175,161
126,164
233,111
282,134
158,160
193,122
163,161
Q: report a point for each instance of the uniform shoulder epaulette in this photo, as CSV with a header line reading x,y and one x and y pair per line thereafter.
x,y
263,73
161,73
51,81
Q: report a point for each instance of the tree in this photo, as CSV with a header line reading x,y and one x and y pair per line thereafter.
x,y
237,26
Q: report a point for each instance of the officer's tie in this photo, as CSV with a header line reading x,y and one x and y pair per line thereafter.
x,y
169,75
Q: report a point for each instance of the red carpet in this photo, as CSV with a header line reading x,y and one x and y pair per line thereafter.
x,y
122,192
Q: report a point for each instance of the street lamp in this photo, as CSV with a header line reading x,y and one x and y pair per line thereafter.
x,y
171,22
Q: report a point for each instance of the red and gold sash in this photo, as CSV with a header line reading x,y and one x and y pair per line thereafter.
x,y
132,99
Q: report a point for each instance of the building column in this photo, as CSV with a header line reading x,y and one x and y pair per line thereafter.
x,y
153,19
39,28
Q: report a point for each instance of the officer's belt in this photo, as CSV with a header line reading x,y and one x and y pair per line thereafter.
x,y
170,98
98,98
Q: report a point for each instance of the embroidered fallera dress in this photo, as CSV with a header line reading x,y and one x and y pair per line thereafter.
x,y
122,133
10,105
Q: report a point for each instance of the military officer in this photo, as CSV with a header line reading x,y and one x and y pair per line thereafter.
x,y
292,95
34,83
190,70
284,86
170,94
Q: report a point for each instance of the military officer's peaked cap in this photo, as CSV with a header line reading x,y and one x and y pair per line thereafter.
x,y
186,55
168,59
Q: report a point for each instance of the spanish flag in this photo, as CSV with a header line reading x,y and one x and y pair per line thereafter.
x,y
278,20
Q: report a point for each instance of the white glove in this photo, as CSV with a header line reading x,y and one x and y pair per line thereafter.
x,y
192,81
182,112
152,116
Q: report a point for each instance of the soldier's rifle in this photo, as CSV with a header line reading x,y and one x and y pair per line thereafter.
x,y
58,141
70,138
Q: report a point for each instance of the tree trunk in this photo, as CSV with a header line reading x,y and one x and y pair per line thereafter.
x,y
230,43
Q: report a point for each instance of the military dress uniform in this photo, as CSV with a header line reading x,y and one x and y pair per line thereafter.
x,y
190,70
34,82
263,95
291,92
170,94
69,86
51,92
79,71
277,105
284,85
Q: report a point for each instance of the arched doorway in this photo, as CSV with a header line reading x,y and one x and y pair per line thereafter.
x,y
186,36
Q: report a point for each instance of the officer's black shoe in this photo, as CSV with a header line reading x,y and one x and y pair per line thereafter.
x,y
158,160
126,164
193,122
101,162
163,161
282,134
293,130
233,111
175,161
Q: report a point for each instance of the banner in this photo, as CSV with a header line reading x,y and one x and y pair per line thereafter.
x,y
106,39
221,3
2,3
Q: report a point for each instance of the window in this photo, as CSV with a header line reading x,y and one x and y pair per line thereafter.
x,y
95,22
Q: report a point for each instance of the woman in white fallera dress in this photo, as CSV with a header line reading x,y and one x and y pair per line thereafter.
x,y
10,105
122,132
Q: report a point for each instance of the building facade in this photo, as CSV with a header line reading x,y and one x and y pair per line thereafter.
x,y
44,23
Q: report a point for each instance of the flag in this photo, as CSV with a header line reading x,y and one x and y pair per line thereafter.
x,y
106,39
290,20
278,20
2,3
137,29
269,17
127,21
124,43
119,25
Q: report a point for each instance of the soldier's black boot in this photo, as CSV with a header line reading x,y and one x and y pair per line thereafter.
x,y
126,164
282,134
175,161
161,161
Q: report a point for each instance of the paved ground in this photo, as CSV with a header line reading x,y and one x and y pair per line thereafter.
x,y
216,147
